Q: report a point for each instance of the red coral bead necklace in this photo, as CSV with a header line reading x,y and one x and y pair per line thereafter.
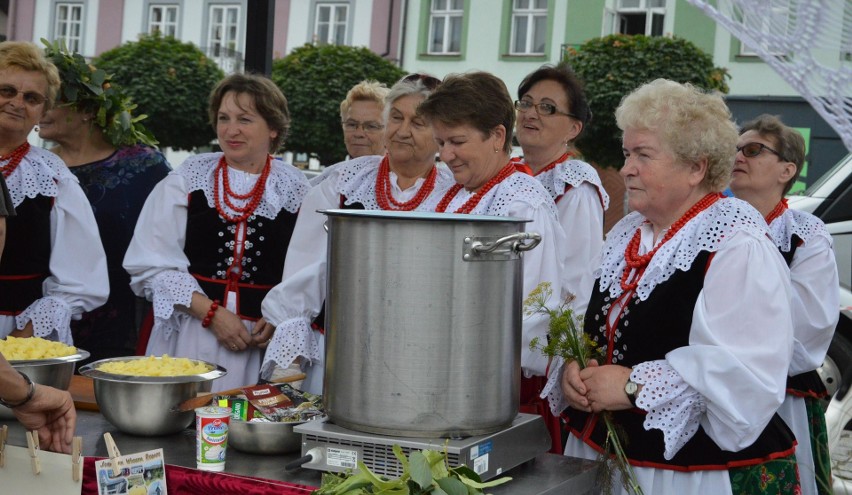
x,y
385,197
254,196
14,158
636,263
474,200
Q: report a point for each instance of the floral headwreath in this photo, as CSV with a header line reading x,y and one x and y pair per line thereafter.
x,y
88,89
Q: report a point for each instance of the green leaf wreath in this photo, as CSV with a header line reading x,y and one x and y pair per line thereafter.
x,y
568,341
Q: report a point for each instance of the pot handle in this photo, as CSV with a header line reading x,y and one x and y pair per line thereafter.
x,y
515,239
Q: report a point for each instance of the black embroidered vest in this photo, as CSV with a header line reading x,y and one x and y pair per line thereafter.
x,y
26,258
210,246
646,332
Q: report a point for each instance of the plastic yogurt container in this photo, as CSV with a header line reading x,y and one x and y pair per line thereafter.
x,y
211,437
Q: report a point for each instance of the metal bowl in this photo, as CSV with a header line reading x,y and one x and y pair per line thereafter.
x,y
54,372
141,405
264,438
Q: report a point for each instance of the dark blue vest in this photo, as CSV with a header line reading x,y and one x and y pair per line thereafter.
x,y
26,258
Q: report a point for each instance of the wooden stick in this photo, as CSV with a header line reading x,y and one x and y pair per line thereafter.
x,y
203,400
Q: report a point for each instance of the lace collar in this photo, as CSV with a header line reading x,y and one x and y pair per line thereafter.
x,y
38,174
708,231
798,223
358,183
285,187
518,187
572,173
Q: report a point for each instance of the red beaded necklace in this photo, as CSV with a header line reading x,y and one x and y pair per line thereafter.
x,y
637,263
474,200
14,158
383,189
777,211
254,196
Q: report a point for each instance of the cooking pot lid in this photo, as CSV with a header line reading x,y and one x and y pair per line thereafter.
x,y
421,215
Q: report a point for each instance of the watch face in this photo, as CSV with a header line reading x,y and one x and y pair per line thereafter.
x,y
630,388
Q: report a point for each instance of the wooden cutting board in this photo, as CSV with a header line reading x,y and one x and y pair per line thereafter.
x,y
82,390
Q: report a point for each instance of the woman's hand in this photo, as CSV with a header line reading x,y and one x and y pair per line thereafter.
x,y
51,412
25,332
605,387
261,334
230,330
573,387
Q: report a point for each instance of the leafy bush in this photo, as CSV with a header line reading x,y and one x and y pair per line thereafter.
x,y
170,81
315,80
615,65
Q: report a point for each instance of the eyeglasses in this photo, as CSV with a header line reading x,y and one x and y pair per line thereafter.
x,y
353,125
31,98
542,108
429,82
751,150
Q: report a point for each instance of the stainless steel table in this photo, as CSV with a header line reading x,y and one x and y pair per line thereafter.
x,y
546,474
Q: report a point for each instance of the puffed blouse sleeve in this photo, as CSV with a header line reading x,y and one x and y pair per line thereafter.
x,y
294,303
544,263
581,216
78,280
155,259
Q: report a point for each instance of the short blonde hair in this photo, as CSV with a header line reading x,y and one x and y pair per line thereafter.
x,y
367,90
692,124
27,56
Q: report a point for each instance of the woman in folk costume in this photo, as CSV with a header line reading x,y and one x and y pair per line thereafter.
x,y
770,157
53,268
212,237
552,113
472,117
399,181
691,312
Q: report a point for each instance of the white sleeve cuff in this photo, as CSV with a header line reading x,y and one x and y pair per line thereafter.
x,y
51,317
292,338
169,289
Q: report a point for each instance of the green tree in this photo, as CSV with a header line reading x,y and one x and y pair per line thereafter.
x,y
315,80
615,65
170,81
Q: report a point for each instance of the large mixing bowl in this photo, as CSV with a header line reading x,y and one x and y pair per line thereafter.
x,y
141,405
54,372
264,438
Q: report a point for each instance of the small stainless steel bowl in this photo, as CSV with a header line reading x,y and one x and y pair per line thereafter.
x,y
264,438
54,372
141,405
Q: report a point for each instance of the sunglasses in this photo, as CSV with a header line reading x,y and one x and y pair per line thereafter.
x,y
31,98
542,108
428,81
353,125
751,150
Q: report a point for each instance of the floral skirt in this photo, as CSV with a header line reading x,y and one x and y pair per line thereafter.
x,y
780,476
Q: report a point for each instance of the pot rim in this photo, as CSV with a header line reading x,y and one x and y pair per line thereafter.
x,y
91,371
421,215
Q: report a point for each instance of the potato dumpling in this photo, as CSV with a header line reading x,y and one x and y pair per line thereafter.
x,y
20,349
155,366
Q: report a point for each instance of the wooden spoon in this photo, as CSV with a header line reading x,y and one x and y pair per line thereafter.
x,y
203,400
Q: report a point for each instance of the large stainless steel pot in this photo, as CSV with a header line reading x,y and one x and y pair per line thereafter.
x,y
423,322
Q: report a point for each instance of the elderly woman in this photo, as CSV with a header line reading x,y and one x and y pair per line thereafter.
x,y
117,168
213,235
552,113
399,181
472,118
769,159
361,118
691,312
53,268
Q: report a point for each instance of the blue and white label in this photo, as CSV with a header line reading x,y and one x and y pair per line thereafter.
x,y
481,449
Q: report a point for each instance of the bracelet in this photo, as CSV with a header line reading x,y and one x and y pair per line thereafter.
x,y
210,312
30,394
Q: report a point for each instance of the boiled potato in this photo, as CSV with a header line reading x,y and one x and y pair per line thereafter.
x,y
155,366
20,349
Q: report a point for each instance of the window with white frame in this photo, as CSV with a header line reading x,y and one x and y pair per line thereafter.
x,y
529,27
445,26
68,25
330,25
163,19
772,17
636,17
222,36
